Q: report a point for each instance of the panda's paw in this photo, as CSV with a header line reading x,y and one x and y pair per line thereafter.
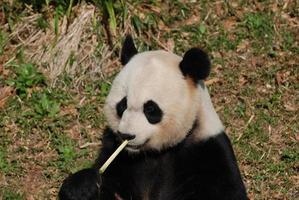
x,y
83,185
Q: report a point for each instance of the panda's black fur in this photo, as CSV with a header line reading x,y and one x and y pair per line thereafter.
x,y
128,50
203,170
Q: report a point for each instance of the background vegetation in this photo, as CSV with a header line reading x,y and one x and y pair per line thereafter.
x,y
58,58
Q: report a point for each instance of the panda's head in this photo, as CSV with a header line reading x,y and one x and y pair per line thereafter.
x,y
158,96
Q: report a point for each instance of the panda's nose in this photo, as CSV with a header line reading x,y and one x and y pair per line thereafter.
x,y
126,136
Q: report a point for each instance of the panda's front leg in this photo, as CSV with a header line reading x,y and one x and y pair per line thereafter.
x,y
84,185
88,184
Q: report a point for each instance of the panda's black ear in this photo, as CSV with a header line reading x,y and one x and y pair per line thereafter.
x,y
128,50
196,64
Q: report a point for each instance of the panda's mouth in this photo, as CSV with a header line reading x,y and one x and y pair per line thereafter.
x,y
137,147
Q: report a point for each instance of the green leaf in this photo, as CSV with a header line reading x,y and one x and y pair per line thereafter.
x,y
202,28
54,109
137,23
111,13
45,102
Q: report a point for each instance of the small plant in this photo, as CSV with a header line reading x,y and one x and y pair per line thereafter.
x,y
27,76
66,153
290,155
288,40
44,105
259,24
112,19
65,148
39,4
4,166
3,40
58,13
42,23
137,23
198,31
10,194
260,27
105,87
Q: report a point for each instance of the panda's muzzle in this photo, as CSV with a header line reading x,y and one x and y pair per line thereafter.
x,y
126,136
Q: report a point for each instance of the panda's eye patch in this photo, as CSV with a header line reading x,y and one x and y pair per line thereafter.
x,y
152,112
121,107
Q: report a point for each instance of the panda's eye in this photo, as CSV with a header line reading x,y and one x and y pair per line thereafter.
x,y
121,107
152,112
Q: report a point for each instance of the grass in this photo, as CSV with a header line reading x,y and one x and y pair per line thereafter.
x,y
51,100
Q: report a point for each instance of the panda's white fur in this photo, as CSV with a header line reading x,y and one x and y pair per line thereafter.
x,y
155,75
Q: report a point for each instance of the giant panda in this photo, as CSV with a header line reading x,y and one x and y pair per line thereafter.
x,y
177,147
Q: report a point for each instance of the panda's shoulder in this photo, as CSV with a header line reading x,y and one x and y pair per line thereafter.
x,y
208,160
215,150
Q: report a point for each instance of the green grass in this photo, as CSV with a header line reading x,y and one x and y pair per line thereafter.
x,y
27,76
43,123
10,194
4,165
3,41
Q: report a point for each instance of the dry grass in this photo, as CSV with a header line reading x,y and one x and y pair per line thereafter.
x,y
70,51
